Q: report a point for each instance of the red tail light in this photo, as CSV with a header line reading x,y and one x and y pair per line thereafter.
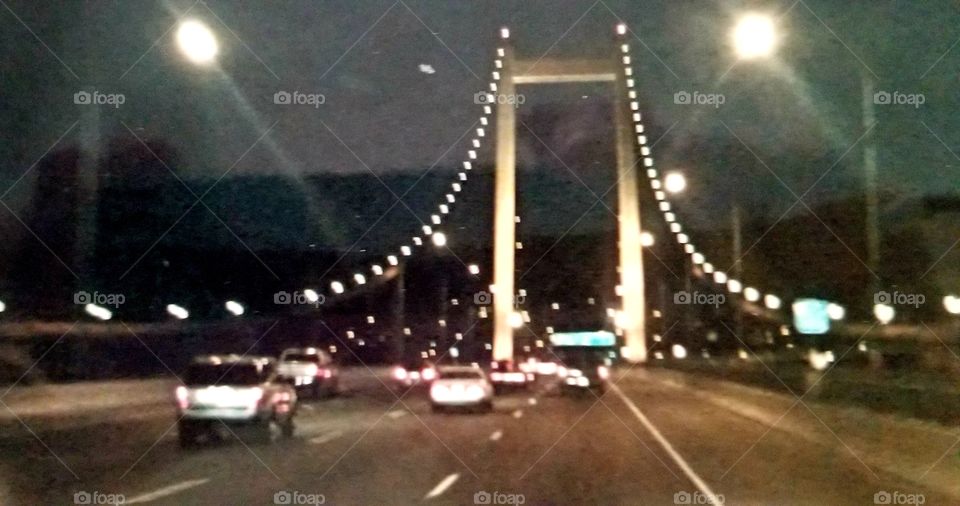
x,y
183,397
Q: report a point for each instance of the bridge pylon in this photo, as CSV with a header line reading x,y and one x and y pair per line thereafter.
x,y
513,71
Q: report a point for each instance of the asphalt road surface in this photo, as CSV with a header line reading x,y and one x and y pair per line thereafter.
x,y
643,442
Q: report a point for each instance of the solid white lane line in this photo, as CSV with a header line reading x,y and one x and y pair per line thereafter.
x,y
684,466
165,491
397,413
496,435
442,486
326,438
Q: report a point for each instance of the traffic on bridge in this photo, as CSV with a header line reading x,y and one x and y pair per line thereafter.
x,y
480,253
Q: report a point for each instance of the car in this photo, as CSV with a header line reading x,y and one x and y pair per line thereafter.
x,y
220,391
461,387
413,372
309,369
578,376
506,374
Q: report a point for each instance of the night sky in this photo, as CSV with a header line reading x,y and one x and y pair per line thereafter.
x,y
398,81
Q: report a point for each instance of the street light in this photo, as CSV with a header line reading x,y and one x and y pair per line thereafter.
x,y
884,313
952,304
178,312
197,42
646,239
754,36
439,239
674,182
234,307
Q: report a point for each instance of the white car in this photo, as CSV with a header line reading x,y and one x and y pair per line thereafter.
x,y
232,390
461,386
309,369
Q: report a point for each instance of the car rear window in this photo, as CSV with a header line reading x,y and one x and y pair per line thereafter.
x,y
302,357
224,374
460,375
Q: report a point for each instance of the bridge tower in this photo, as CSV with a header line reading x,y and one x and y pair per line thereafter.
x,y
514,70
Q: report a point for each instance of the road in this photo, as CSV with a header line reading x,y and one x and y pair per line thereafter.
x,y
649,440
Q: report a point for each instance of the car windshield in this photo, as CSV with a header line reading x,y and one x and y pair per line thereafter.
x,y
223,374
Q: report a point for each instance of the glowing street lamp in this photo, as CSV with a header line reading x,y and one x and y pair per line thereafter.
x,y
674,182
836,311
439,239
646,239
178,312
754,36
234,307
952,304
197,42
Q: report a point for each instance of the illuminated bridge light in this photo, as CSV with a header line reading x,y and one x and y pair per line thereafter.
x,y
751,294
377,270
392,260
178,312
336,286
359,278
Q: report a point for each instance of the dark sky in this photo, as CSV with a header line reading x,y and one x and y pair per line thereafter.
x,y
799,113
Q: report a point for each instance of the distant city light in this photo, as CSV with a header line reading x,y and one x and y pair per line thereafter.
x,y
836,311
734,286
884,313
771,301
336,286
311,295
474,269
751,294
178,312
359,278
516,320
439,239
646,239
621,28
952,304
405,251
197,42
392,260
234,307
377,270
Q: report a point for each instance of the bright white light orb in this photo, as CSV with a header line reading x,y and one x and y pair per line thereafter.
x,y
197,42
674,182
754,36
